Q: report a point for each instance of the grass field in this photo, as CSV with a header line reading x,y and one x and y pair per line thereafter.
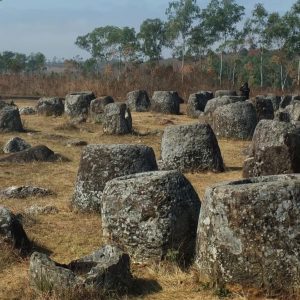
x,y
68,235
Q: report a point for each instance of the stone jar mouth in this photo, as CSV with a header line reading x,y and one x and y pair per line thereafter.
x,y
262,179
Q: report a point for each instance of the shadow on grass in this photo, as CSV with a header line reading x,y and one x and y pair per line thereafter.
x,y
228,169
143,287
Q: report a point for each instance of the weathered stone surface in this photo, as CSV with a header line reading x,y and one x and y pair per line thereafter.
x,y
117,119
151,215
77,105
97,108
10,119
191,148
275,149
166,102
138,101
15,144
264,108
236,120
214,103
285,101
101,163
12,232
197,102
24,192
36,153
35,210
291,113
3,104
248,232
221,93
52,106
27,111
106,270
275,100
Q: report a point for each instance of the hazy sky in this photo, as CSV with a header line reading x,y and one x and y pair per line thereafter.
x,y
51,26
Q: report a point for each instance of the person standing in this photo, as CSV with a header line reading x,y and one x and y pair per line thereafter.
x,y
245,91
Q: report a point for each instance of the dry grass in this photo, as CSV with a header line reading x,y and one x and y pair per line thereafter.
x,y
67,235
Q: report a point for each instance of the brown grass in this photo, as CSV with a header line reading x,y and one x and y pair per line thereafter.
x,y
67,235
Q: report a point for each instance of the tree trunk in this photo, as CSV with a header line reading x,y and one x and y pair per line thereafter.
x,y
221,69
182,61
298,78
261,69
233,74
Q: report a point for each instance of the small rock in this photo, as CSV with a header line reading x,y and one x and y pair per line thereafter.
x,y
50,107
16,144
24,192
11,230
28,111
105,270
10,119
41,210
36,153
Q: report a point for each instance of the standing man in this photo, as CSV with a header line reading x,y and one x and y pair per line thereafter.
x,y
245,91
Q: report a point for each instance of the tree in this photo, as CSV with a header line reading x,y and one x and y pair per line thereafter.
x,y
279,37
220,19
36,62
152,38
181,15
110,43
255,29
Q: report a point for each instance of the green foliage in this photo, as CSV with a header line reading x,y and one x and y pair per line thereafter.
x,y
152,36
12,62
109,43
221,17
181,15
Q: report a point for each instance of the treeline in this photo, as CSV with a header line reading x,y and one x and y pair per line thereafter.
x,y
214,47
13,62
264,49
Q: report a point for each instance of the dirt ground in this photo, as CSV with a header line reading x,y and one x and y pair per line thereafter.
x,y
68,235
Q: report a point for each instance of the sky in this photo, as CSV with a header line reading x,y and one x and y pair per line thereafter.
x,y
52,26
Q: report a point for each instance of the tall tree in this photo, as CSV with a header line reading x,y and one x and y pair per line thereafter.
x,y
181,15
109,42
283,37
152,38
255,29
220,18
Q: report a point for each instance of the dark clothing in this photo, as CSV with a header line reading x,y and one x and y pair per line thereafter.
x,y
245,91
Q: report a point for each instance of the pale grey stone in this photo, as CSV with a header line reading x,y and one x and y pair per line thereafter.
x,y
117,119
190,148
101,163
237,120
16,144
105,270
248,233
151,215
138,101
275,149
51,106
